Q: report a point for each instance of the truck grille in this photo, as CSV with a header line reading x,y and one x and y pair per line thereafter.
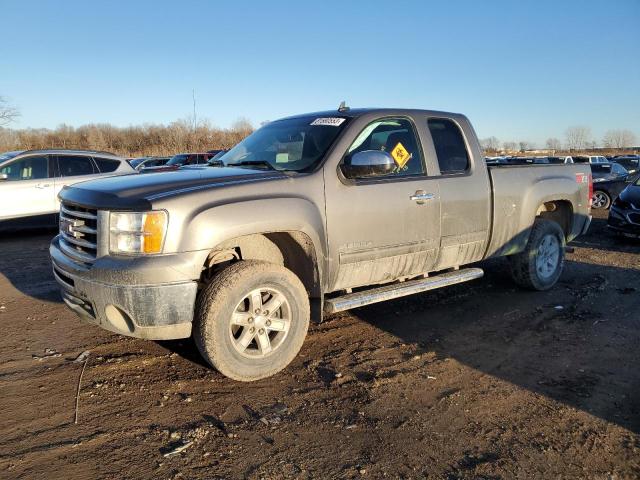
x,y
79,232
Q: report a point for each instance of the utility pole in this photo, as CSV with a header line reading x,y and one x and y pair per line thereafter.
x,y
193,92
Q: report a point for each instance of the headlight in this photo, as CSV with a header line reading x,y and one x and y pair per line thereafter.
x,y
596,180
137,233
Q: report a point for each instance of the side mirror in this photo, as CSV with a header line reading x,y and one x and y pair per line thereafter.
x,y
368,163
3,176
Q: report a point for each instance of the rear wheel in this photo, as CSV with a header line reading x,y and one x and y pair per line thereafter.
x,y
600,200
251,320
540,265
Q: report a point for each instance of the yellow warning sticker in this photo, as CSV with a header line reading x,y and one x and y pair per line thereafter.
x,y
400,155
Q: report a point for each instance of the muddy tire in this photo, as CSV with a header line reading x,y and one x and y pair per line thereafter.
x,y
600,200
251,320
540,265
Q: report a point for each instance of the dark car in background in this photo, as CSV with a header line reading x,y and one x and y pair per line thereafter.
x,y
630,162
609,179
146,162
180,160
624,216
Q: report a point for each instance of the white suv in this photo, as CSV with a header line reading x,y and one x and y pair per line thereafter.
x,y
31,180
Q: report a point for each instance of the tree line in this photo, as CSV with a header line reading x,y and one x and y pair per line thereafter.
x,y
133,141
577,138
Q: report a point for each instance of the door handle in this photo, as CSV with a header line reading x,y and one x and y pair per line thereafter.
x,y
43,185
420,196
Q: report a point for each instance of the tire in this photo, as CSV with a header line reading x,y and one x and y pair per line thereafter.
x,y
540,265
225,315
601,200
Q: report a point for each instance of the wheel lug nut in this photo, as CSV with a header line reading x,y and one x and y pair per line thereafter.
x,y
266,312
257,311
252,329
268,323
250,320
261,331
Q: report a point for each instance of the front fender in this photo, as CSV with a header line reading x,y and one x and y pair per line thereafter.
x,y
206,229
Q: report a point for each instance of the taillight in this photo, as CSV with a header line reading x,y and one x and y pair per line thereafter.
x,y
588,179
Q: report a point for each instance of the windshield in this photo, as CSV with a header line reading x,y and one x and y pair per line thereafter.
x,y
216,157
9,155
179,159
297,144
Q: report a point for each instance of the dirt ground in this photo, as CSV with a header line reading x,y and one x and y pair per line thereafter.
x,y
481,380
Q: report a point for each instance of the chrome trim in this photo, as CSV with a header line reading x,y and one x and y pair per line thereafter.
x,y
75,254
77,241
75,213
395,290
423,196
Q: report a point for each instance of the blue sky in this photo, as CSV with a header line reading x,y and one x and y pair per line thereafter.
x,y
521,70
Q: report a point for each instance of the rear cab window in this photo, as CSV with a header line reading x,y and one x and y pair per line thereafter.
x,y
450,146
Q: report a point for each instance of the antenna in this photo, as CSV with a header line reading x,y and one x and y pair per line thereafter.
x,y
343,107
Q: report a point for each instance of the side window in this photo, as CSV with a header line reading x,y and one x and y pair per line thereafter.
x,y
74,165
106,165
28,168
396,138
449,144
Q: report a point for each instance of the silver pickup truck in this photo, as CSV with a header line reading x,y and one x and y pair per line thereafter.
x,y
310,214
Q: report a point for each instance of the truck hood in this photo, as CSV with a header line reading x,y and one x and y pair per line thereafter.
x,y
136,192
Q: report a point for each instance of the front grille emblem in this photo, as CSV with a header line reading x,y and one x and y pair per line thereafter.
x,y
68,226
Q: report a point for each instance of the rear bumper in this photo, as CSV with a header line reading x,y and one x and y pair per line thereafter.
x,y
158,311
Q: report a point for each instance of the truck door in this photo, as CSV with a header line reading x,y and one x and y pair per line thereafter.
x,y
465,195
382,226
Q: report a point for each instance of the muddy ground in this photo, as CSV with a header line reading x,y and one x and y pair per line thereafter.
x,y
480,380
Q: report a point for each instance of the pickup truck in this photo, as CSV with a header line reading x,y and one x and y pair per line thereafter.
x,y
309,215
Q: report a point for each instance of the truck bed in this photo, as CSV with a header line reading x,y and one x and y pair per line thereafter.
x,y
518,192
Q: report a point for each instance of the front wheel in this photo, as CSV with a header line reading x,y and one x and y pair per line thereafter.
x,y
540,265
251,320
600,200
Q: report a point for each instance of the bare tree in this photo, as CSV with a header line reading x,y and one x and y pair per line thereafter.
x,y
578,137
510,146
619,139
524,145
490,144
553,144
8,113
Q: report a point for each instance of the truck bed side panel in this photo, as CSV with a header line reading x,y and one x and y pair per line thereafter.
x,y
519,193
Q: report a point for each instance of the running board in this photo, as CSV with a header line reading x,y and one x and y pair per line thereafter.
x,y
395,290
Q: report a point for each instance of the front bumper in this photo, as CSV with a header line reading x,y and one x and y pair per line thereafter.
x,y
157,311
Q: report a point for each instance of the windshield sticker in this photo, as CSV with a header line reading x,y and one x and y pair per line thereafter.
x,y
332,122
400,155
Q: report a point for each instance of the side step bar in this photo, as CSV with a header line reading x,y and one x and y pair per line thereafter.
x,y
395,290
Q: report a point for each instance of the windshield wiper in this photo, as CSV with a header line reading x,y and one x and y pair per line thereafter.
x,y
252,163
